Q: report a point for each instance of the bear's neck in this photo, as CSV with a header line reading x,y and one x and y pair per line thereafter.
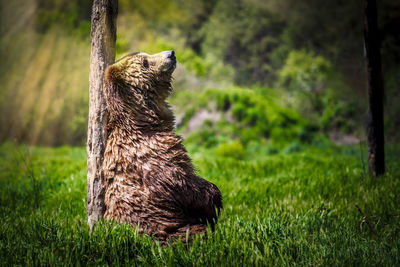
x,y
143,121
151,138
134,113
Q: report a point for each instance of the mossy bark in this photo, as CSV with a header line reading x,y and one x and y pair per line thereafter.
x,y
103,38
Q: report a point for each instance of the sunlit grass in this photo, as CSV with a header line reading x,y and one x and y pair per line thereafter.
x,y
280,209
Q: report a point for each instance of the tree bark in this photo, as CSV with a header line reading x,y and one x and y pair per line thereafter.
x,y
103,37
376,152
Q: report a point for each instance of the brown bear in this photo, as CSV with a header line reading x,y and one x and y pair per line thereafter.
x,y
150,179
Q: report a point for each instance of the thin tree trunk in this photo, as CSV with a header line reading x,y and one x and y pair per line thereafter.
x,y
376,152
103,37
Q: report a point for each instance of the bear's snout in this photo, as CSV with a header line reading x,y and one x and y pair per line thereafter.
x,y
170,54
170,60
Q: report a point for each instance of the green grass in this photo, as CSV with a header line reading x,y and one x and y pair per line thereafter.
x,y
288,207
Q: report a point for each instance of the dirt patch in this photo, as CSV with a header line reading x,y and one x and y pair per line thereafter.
x,y
340,138
200,117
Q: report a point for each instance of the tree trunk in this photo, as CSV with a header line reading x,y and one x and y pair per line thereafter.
x,y
103,37
376,153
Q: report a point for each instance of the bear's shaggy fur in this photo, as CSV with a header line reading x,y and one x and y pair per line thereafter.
x,y
150,180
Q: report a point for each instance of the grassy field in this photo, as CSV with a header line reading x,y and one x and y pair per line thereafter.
x,y
281,207
290,195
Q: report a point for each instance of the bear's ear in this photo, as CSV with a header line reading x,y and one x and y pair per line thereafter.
x,y
111,74
112,91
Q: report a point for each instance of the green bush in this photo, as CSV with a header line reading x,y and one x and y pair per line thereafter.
x,y
337,114
293,147
304,71
257,115
317,91
233,149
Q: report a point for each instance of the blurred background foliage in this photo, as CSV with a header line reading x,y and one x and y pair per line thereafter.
x,y
285,71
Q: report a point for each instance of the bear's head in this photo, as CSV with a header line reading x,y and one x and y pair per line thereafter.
x,y
138,84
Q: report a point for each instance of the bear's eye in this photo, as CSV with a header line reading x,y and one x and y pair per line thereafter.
x,y
146,63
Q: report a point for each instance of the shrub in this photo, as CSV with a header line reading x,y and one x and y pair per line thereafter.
x,y
247,115
304,71
230,149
